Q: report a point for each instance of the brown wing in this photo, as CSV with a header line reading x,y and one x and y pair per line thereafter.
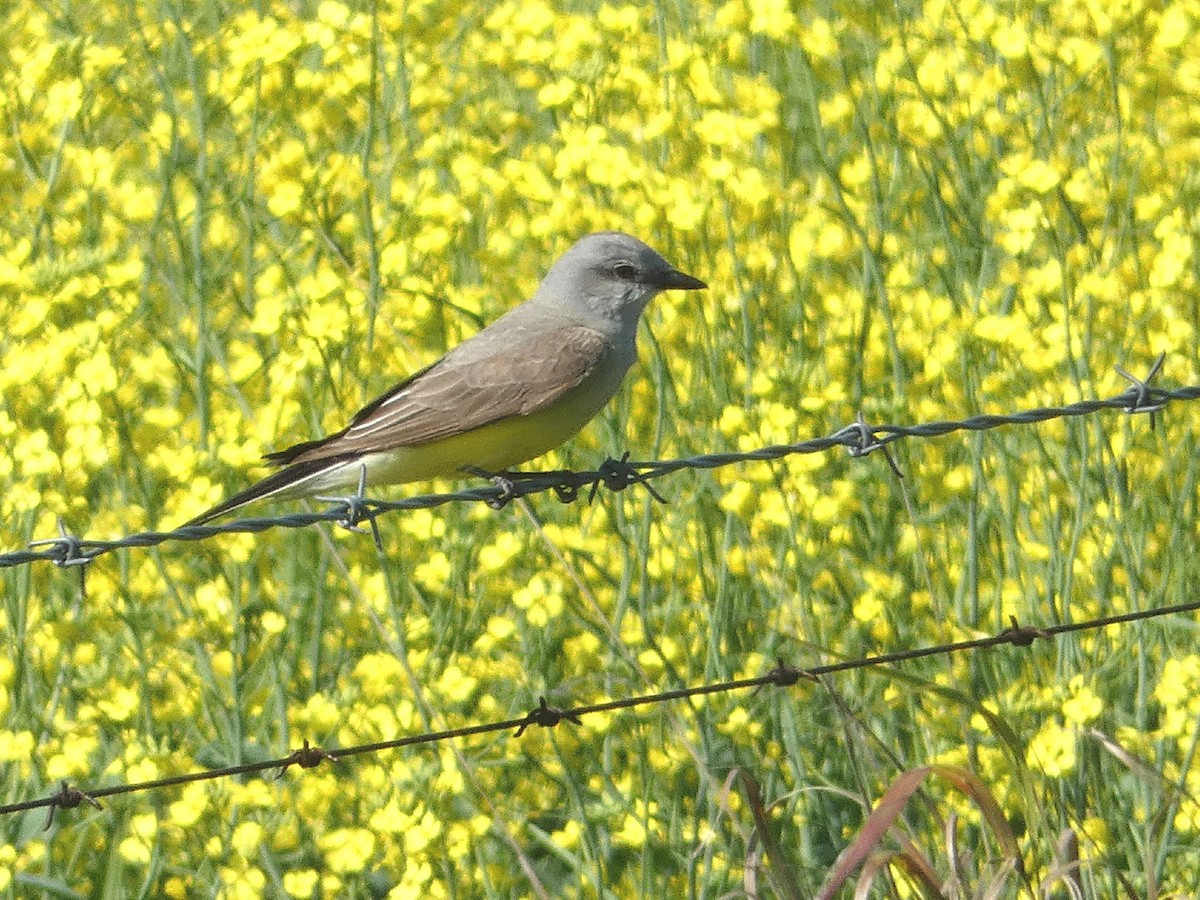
x,y
451,397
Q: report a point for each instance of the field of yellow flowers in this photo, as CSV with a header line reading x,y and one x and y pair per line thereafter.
x,y
223,231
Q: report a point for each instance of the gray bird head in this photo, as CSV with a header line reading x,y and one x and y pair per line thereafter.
x,y
610,276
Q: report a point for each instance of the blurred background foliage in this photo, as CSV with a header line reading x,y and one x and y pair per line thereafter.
x,y
226,229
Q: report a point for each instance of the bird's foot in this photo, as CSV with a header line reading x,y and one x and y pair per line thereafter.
x,y
515,484
505,481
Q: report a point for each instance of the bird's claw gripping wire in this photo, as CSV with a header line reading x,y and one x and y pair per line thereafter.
x,y
512,485
504,482
614,474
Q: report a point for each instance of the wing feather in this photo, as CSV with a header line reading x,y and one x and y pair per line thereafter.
x,y
451,397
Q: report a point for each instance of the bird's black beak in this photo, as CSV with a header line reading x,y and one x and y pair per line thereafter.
x,y
674,280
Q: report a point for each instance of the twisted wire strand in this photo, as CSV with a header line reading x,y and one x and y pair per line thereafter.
x,y
546,716
859,438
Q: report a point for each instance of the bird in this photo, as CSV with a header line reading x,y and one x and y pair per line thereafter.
x,y
513,391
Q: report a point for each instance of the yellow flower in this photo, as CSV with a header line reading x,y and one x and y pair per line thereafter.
x,y
456,685
568,836
737,497
434,572
286,197
319,716
379,674
247,837
414,883
120,703
500,627
1038,176
1174,27
632,833
773,18
15,746
242,884
136,847
1082,706
498,554
619,19
1052,750
556,93
65,98
531,17
187,810
1011,40
392,819
1172,260
300,882
818,40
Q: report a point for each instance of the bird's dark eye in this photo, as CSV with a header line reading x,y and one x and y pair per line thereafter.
x,y
625,271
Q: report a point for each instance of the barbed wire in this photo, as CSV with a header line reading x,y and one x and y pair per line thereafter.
x,y
859,438
782,675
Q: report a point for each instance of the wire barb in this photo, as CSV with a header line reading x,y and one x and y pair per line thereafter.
x,y
618,474
307,757
1021,635
860,440
547,716
66,549
784,675
68,797
1145,399
355,508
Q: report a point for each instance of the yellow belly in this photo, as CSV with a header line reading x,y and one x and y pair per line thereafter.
x,y
492,448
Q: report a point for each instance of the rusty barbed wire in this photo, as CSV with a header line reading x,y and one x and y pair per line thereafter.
x,y
69,796
859,438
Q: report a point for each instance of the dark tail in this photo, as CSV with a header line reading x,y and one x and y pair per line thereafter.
x,y
293,476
